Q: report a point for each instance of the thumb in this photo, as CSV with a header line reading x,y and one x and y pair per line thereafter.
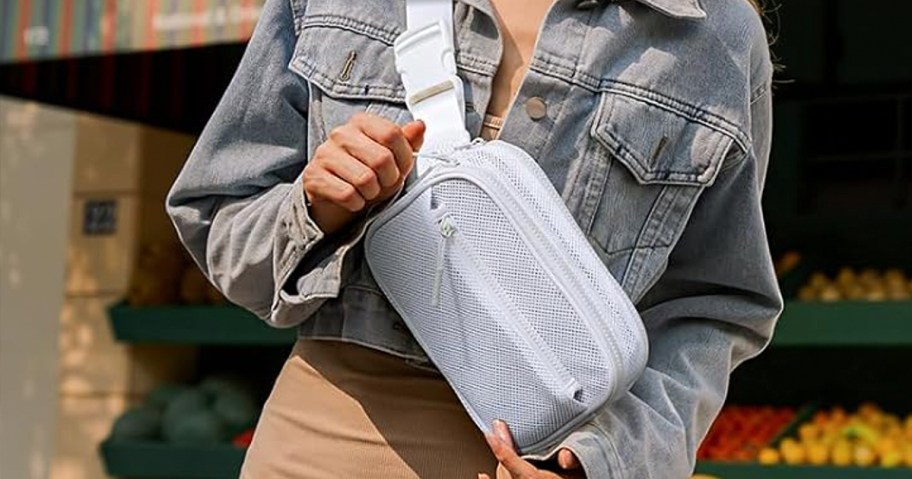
x,y
414,133
567,460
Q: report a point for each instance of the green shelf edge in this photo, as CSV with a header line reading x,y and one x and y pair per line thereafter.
x,y
200,325
845,323
159,460
732,470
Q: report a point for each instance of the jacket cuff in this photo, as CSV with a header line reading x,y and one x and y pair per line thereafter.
x,y
595,452
305,233
323,262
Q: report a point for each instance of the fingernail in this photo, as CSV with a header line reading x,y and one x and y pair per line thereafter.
x,y
502,431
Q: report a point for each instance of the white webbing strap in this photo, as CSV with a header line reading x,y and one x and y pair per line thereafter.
x,y
419,13
426,61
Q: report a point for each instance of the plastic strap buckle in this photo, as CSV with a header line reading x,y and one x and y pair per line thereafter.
x,y
434,92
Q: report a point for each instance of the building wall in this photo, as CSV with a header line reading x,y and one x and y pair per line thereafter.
x,y
64,377
36,163
131,167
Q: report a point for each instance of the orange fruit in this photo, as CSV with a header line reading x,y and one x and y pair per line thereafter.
x,y
769,456
792,451
808,432
818,454
864,456
893,458
841,454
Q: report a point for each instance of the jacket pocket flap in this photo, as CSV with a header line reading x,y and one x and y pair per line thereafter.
x,y
660,145
348,58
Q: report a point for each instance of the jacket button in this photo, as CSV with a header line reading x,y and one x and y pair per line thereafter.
x,y
536,108
587,4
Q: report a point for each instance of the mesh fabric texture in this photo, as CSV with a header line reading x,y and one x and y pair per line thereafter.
x,y
498,284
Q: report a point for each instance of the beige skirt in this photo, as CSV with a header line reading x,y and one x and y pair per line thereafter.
x,y
340,410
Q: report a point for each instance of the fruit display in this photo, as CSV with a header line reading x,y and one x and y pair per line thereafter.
x,y
864,438
740,432
866,285
218,410
164,276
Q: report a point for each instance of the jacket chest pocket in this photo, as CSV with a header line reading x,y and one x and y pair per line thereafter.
x,y
350,67
646,167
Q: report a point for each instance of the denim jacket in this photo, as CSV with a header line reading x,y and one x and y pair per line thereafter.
x,y
655,129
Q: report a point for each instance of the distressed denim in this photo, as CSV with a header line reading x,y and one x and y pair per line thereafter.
x,y
656,132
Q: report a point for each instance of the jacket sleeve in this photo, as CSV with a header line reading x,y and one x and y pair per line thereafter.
x,y
714,307
238,204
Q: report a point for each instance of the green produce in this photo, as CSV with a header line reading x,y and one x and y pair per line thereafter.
x,y
139,423
200,427
184,405
214,385
162,395
237,409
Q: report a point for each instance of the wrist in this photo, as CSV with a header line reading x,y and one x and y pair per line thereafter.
x,y
329,217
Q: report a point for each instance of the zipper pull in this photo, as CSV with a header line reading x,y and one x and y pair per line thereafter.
x,y
447,230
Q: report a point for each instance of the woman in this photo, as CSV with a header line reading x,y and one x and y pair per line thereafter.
x,y
652,117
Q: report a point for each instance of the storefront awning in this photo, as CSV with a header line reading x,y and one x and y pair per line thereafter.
x,y
45,29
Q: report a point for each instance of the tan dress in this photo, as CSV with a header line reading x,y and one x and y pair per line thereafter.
x,y
340,410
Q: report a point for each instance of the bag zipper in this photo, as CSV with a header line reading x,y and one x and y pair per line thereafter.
x,y
566,383
571,291
447,230
534,170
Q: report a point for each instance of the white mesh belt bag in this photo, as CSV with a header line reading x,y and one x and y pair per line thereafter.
x,y
489,270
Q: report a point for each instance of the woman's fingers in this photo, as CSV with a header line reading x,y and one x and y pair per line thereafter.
x,y
506,456
328,187
357,173
389,135
363,161
379,158
501,443
414,133
567,460
503,432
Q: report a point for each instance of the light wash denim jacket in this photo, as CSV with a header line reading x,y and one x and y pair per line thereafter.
x,y
656,130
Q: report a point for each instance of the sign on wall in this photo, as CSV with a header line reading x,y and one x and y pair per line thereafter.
x,y
43,29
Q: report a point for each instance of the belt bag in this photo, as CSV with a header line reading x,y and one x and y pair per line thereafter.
x,y
490,271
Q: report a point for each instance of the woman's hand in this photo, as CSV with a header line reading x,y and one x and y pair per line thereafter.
x,y
363,162
514,467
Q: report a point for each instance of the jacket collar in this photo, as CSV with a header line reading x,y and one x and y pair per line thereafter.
x,y
685,9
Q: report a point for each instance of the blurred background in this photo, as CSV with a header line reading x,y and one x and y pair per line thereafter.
x,y
117,359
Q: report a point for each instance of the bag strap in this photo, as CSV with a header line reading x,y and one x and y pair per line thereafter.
x,y
426,62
